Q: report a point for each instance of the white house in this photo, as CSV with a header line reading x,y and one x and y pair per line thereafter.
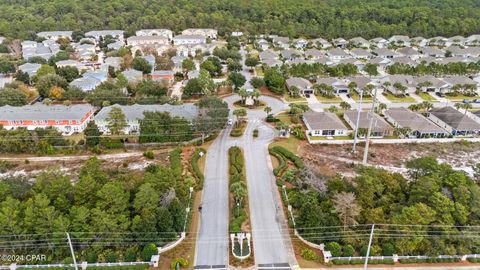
x,y
189,39
205,32
155,32
324,124
117,34
55,35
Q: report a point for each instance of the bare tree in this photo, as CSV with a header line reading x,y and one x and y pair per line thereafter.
x,y
346,208
308,178
168,197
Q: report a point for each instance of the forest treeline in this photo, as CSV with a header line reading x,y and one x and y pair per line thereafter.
x,y
307,18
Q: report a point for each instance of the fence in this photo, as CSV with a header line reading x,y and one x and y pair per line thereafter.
x,y
394,141
83,265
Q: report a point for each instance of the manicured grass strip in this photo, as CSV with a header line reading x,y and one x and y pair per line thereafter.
x,y
176,161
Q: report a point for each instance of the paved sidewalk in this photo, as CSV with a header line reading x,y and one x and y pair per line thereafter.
x,y
347,99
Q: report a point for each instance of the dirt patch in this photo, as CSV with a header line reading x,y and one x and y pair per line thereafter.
x,y
331,159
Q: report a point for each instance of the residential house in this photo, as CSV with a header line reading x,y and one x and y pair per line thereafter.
x,y
361,54
281,42
340,43
69,63
205,32
33,49
404,61
429,83
361,83
419,41
272,62
379,42
133,76
115,45
29,68
359,42
115,62
410,53
437,41
432,52
455,41
337,54
461,81
155,32
147,41
167,76
86,83
102,34
399,40
134,113
339,86
303,85
262,44
405,81
385,53
268,54
321,43
55,35
324,124
455,122
66,119
415,124
189,39
473,40
300,43
237,34
101,75
290,54
314,54
380,127
177,62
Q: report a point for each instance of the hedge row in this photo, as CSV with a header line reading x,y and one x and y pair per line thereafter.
x,y
123,267
282,166
196,170
473,260
362,261
287,154
429,260
236,171
176,161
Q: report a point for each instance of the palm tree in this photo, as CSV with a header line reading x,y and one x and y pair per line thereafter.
x,y
243,94
382,107
458,105
267,109
414,107
239,113
256,94
367,90
426,105
239,192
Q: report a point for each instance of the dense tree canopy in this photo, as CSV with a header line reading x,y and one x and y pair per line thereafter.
x,y
330,18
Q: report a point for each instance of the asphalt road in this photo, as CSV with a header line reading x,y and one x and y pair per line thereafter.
x,y
267,218
212,239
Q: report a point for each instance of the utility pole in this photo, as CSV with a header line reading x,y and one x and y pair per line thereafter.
x,y
71,250
368,249
367,142
358,121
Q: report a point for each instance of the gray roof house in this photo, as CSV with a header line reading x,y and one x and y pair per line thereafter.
x,y
380,127
418,125
379,42
281,42
97,34
314,54
267,54
338,85
324,124
359,42
29,68
432,52
132,75
321,43
133,113
85,84
400,40
337,54
340,43
429,83
385,53
361,54
54,35
290,54
302,84
455,122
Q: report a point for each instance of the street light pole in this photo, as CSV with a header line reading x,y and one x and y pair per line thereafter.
x,y
358,121
71,250
365,265
367,142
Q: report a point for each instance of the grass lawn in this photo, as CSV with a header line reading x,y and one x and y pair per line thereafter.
x,y
290,143
323,99
394,98
356,97
288,98
259,71
284,117
460,97
427,97
76,137
324,138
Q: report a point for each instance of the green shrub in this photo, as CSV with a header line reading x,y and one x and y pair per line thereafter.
x,y
428,260
348,251
149,154
109,143
236,132
282,166
196,170
473,260
388,249
291,156
362,261
334,248
176,161
181,261
148,251
255,133
309,254
6,165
